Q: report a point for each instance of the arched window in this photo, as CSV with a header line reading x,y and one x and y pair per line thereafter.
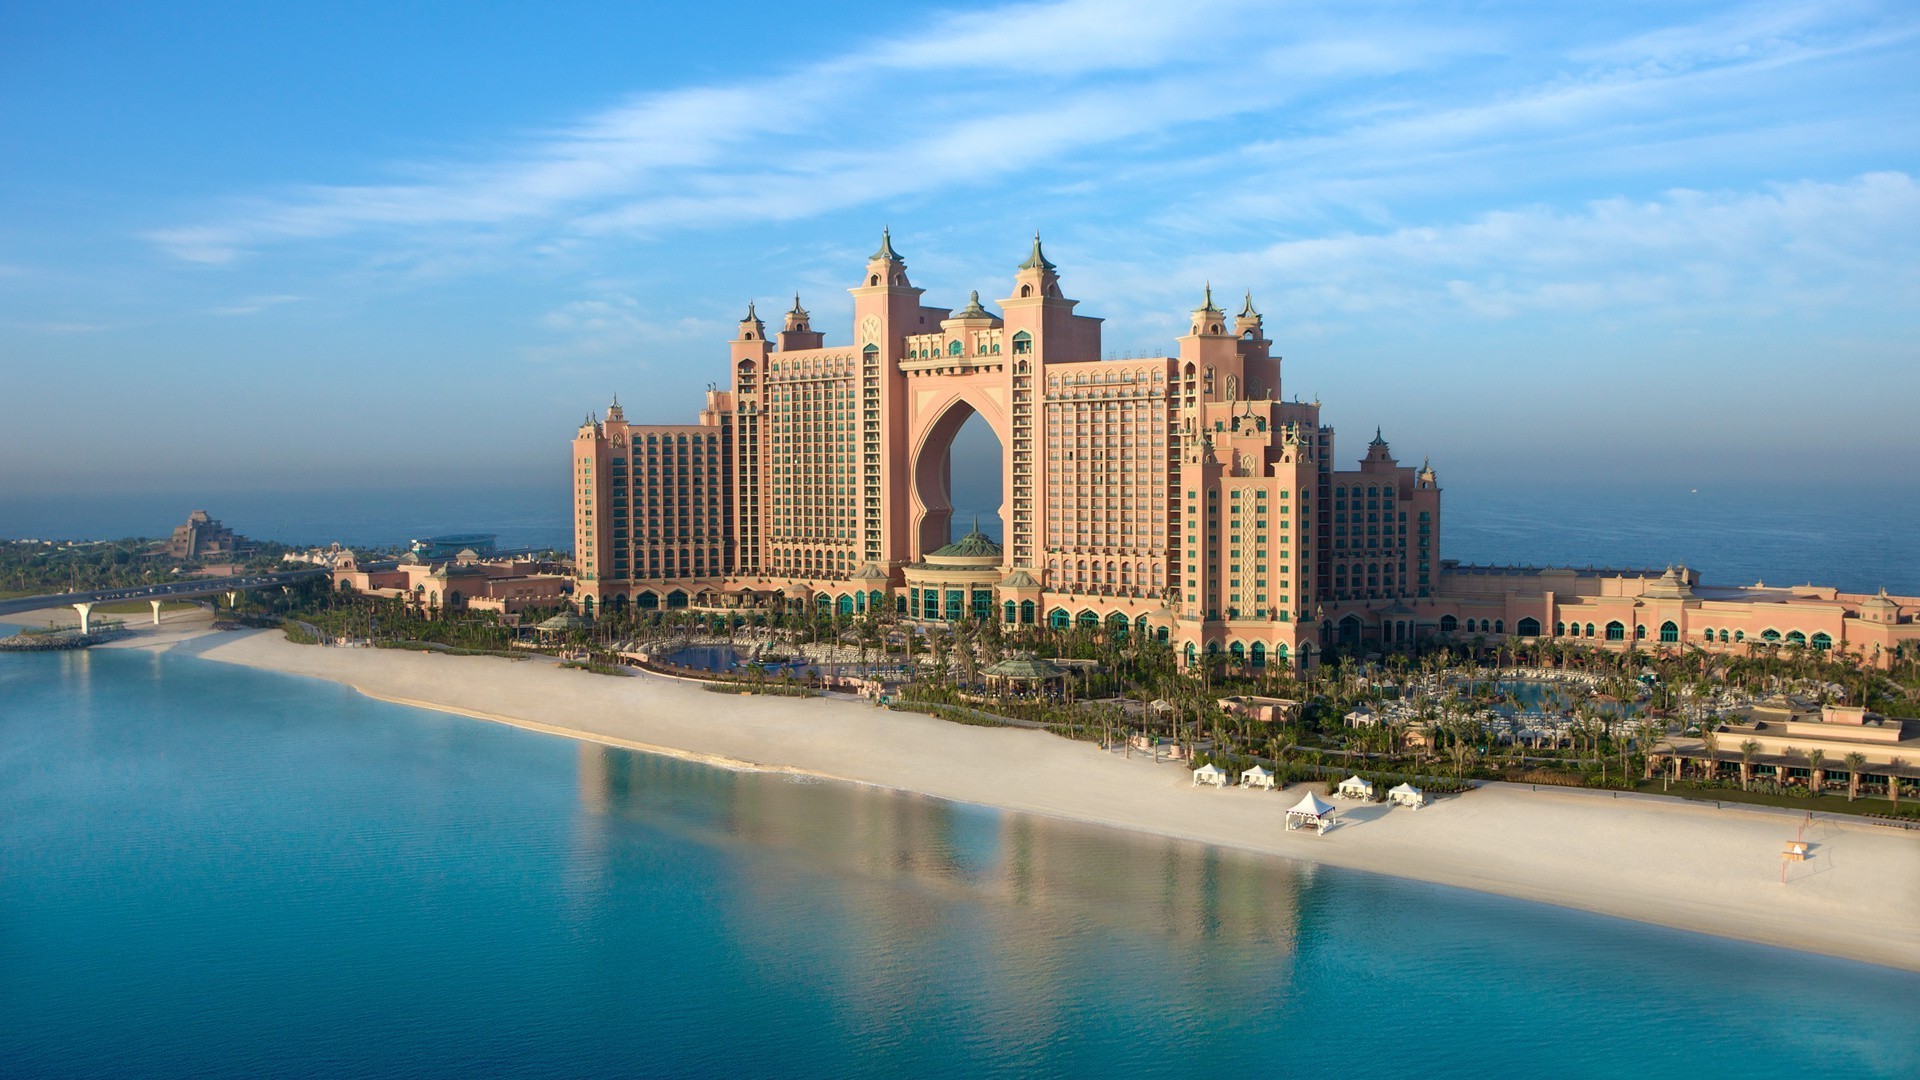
x,y
1448,624
1724,638
872,280
1026,290
1795,637
1669,631
1739,635
1059,619
1770,636
1528,627
954,349
1011,611
1189,654
1238,652
1560,629
1026,612
1089,619
1259,654
1616,631
1821,642
1022,343
1640,632
1589,629
1499,626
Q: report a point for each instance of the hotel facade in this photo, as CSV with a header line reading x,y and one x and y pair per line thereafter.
x,y
1179,496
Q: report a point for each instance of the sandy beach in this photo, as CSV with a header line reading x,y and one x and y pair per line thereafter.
x,y
1682,864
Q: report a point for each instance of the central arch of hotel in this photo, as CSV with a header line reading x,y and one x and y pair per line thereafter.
x,y
939,407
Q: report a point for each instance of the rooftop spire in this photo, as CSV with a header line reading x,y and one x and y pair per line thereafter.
x,y
1037,260
1246,310
973,310
1207,303
886,251
797,309
750,316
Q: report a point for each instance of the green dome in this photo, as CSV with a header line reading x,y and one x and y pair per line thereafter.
x,y
974,545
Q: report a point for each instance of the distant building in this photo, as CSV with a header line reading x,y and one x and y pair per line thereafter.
x,y
477,545
505,586
202,537
1663,611
331,556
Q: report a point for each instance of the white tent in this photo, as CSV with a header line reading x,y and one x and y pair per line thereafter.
x,y
1210,774
1355,788
1407,795
1310,813
1258,776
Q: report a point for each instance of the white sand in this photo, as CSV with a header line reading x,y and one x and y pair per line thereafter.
x,y
1665,861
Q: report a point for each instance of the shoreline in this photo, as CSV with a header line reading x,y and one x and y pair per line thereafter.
x,y
1650,859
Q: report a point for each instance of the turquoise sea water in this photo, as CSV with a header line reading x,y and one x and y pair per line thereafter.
x,y
211,871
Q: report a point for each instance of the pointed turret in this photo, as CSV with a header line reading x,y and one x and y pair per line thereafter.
x,y
751,328
614,412
1248,325
1208,319
1037,276
1379,455
1037,260
885,266
797,331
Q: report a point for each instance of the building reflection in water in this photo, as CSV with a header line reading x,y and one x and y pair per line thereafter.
x,y
1026,896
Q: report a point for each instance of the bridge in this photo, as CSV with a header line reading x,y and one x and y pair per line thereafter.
x,y
232,587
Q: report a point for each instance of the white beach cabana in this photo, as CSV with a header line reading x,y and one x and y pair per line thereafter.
x,y
1355,788
1258,776
1213,775
1407,795
1310,813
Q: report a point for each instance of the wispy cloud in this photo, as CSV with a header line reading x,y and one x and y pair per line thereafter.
x,y
1800,249
614,323
972,98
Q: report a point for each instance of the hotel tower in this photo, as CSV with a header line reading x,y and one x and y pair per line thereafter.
x,y
1178,496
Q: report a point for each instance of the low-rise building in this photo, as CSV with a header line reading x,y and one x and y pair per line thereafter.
x,y
506,586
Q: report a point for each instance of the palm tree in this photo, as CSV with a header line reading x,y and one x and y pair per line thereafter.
x,y
1749,750
1855,762
1817,775
1710,742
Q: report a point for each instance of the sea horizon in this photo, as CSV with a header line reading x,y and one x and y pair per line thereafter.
x,y
1858,538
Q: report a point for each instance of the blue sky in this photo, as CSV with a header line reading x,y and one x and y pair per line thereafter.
x,y
1673,242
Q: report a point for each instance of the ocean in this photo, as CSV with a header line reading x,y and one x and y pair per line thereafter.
x,y
212,871
1859,537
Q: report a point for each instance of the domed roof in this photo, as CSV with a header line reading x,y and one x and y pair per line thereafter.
x,y
974,545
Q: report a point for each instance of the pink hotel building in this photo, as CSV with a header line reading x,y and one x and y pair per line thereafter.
x,y
1178,496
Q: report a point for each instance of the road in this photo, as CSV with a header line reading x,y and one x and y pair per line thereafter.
x,y
175,590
